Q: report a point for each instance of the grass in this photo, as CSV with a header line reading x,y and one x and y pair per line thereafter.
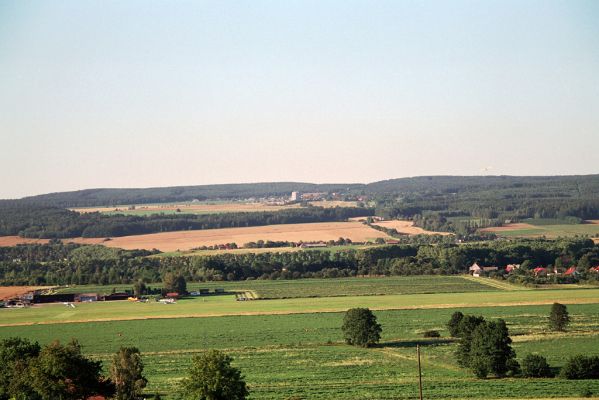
x,y
224,305
302,354
331,249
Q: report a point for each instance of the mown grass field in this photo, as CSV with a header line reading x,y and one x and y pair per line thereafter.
x,y
303,355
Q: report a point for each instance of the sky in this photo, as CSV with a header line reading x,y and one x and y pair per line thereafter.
x,y
165,93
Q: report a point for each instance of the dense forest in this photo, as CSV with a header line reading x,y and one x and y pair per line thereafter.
x,y
59,264
51,222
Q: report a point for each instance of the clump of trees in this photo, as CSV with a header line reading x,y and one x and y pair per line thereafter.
x,y
360,327
174,283
57,371
581,367
211,377
484,346
559,318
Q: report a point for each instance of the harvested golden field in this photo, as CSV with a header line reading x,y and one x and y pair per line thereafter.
x,y
8,292
407,227
8,241
186,240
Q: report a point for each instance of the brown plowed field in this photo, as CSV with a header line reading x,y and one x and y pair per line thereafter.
x,y
407,227
186,240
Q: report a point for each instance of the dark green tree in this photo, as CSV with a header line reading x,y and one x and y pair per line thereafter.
x,y
465,330
15,355
559,317
211,377
536,366
454,323
126,373
491,350
360,327
139,288
63,373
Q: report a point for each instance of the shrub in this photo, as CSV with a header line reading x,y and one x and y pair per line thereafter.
x,y
431,334
454,323
536,366
581,367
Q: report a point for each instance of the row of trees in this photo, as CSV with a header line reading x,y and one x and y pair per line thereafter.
x,y
61,264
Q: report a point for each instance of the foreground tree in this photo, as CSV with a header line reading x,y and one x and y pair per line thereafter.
x,y
581,367
559,317
63,373
465,330
491,350
126,373
211,377
360,327
15,357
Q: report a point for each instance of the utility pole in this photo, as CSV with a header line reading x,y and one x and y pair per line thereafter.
x,y
419,372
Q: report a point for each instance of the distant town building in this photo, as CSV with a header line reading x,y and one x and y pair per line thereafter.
x,y
295,196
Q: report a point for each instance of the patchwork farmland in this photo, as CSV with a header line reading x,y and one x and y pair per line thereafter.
x,y
292,348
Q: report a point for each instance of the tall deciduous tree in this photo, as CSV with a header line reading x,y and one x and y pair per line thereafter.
x,y
126,373
15,356
360,327
211,377
174,283
491,350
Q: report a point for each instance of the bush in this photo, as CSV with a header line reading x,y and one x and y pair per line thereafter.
x,y
454,323
581,367
535,366
360,327
431,334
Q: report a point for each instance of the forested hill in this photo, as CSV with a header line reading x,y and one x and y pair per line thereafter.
x,y
106,197
500,187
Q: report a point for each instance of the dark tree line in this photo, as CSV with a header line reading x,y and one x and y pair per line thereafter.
x,y
61,264
49,222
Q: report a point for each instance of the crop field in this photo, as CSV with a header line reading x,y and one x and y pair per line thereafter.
x,y
548,230
407,227
280,289
186,240
303,355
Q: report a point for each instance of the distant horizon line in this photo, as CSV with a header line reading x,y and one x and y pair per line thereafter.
x,y
301,182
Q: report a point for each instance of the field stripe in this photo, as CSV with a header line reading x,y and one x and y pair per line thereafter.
x,y
495,283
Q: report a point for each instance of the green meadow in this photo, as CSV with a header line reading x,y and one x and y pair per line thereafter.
x,y
302,356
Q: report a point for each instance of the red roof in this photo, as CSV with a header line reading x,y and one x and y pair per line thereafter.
x,y
570,271
540,269
172,294
596,269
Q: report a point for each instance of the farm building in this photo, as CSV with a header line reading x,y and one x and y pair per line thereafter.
x,y
116,296
477,270
512,267
312,245
86,297
172,295
571,271
540,271
594,269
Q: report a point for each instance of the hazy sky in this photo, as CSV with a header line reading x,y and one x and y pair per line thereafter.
x,y
161,93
